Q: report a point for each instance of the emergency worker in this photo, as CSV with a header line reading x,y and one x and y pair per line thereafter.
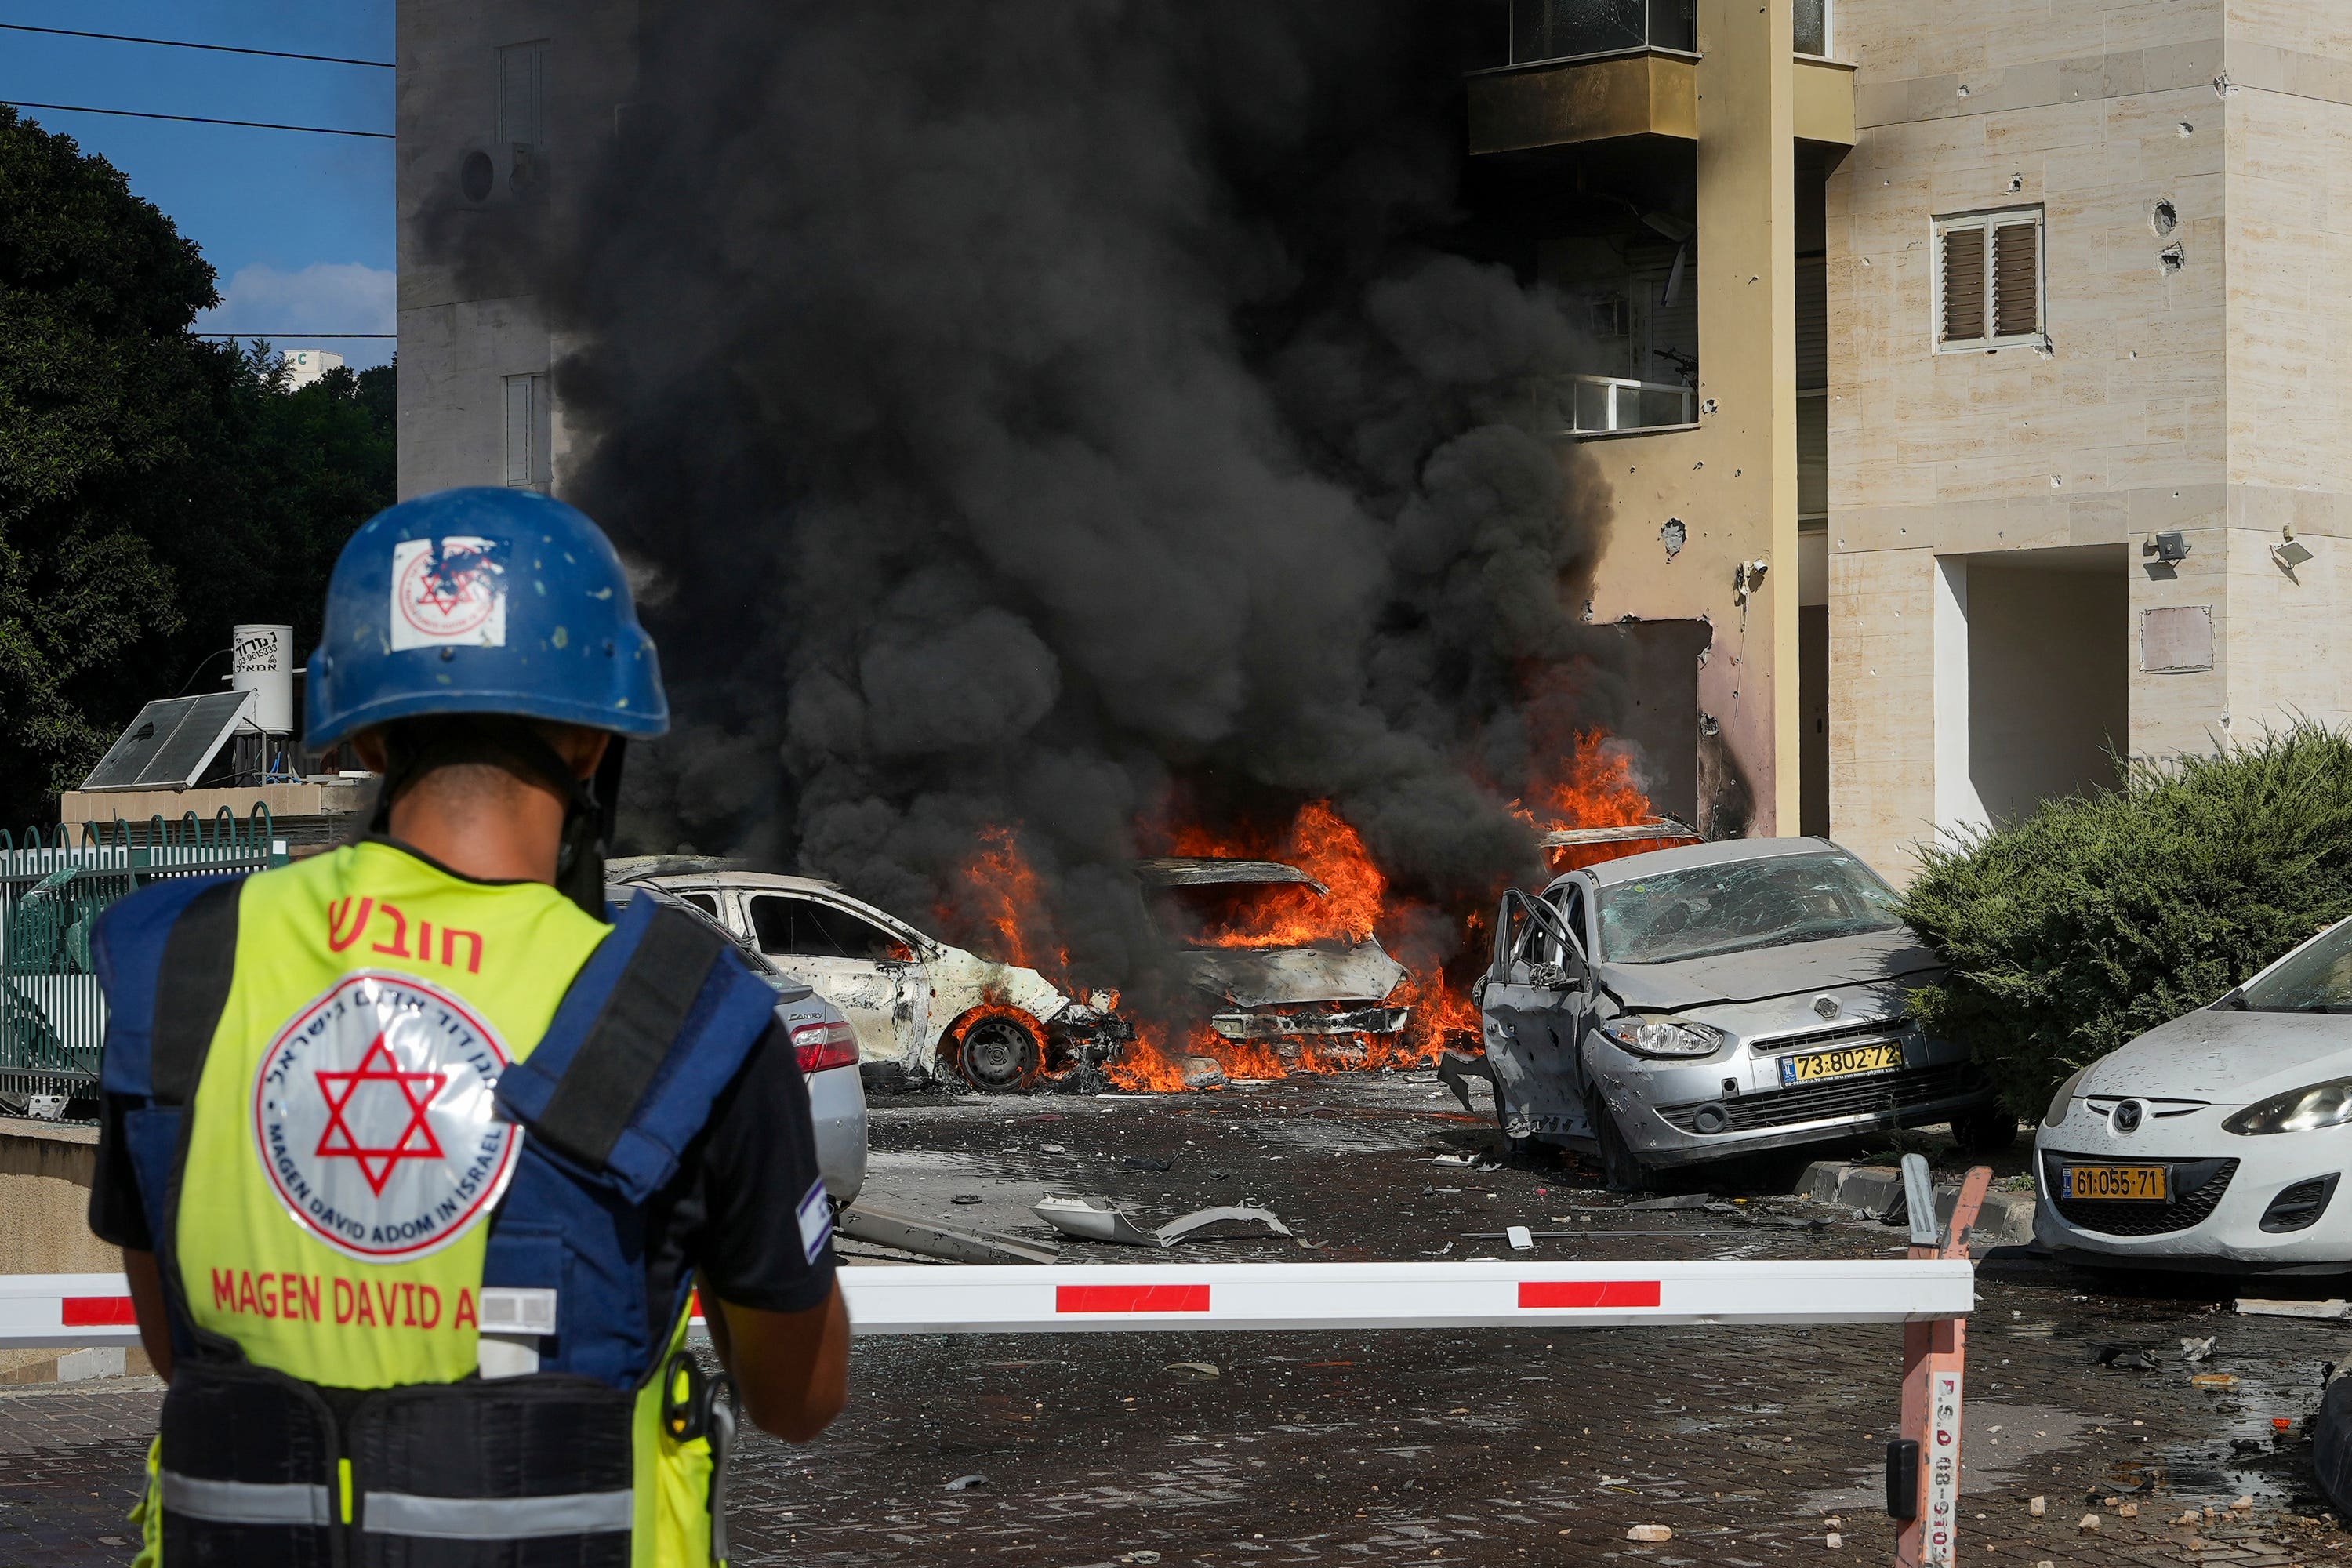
x,y
415,1160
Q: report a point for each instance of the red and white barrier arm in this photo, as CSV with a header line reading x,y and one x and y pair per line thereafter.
x,y
1126,1297
66,1311
75,1309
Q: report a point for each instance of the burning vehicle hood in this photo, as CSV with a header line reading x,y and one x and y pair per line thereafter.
x,y
1764,972
2225,1056
1273,977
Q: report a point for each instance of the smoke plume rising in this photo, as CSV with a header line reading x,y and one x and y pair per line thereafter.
x,y
1063,413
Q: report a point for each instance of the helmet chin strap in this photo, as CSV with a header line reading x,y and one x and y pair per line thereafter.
x,y
517,749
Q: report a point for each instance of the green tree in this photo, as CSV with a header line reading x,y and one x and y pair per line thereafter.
x,y
153,488
2105,914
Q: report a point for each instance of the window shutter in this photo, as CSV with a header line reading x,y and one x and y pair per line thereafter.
x,y
521,443
1964,285
2017,304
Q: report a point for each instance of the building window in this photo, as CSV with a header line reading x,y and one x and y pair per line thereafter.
x,y
1988,279
529,448
521,131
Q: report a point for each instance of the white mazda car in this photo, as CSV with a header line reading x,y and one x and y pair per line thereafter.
x,y
2217,1141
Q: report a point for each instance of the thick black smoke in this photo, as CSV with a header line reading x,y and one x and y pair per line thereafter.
x,y
1046,412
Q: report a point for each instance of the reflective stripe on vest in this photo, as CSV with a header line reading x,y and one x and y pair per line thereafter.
x,y
497,1519
245,1502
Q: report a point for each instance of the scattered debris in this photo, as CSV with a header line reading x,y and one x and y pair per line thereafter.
x,y
2213,1380
1193,1371
1141,1557
1441,1251
2090,1522
2038,1507
2243,1505
865,1221
967,1483
1100,1219
1145,1162
1833,1541
2127,1511
1650,1532
2196,1350
2256,1308
1520,1239
1679,1200
967,1198
1457,1071
2126,1357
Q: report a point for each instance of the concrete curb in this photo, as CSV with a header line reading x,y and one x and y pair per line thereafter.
x,y
2006,1219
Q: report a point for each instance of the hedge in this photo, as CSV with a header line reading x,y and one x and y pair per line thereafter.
x,y
2105,914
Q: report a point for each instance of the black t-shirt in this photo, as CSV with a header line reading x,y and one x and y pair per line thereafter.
x,y
732,1209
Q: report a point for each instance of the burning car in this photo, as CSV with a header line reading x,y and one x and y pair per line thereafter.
x,y
1258,940
1689,1004
914,1001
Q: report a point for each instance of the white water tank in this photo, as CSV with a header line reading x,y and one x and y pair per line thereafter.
x,y
261,661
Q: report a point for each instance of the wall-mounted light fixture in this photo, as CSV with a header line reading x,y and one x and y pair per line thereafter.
x,y
2169,549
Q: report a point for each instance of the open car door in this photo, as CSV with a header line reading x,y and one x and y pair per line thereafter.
x,y
1531,1014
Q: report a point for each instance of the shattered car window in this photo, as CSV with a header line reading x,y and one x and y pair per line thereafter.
x,y
2316,979
1706,911
807,928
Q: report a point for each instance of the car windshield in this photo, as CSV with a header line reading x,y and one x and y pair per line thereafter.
x,y
1740,905
2315,978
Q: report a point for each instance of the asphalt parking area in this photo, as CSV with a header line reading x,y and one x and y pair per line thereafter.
x,y
1753,1445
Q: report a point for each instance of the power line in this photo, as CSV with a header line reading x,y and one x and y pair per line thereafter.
x,y
293,334
176,44
198,119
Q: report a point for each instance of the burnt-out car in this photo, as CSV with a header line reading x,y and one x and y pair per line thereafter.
x,y
1694,1002
1260,949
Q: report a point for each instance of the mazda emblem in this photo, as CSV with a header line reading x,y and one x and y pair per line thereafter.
x,y
2127,1116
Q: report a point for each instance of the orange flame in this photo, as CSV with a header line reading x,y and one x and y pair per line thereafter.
x,y
1595,789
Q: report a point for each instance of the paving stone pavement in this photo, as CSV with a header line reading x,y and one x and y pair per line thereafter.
x,y
1492,1448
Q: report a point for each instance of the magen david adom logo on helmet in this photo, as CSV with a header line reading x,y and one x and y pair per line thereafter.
x,y
372,1115
449,593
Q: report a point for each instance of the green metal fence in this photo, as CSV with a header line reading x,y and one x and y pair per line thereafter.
x,y
52,891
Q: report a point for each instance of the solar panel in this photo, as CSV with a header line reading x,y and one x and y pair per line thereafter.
x,y
171,742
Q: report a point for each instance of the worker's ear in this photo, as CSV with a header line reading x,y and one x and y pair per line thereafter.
x,y
581,749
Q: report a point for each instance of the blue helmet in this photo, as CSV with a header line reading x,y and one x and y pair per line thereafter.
x,y
482,601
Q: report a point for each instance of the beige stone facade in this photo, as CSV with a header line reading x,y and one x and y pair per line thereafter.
x,y
2190,160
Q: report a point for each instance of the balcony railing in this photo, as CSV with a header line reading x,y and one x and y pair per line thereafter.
x,y
1812,26
1530,32
1604,405
1534,32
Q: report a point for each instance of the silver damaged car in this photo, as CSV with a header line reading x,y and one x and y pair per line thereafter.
x,y
1718,999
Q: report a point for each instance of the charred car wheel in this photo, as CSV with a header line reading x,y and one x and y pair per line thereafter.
x,y
1626,1170
999,1055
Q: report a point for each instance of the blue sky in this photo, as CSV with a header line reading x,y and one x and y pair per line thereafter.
x,y
299,227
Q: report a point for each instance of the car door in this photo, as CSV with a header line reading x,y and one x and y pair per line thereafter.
x,y
1530,1012
860,966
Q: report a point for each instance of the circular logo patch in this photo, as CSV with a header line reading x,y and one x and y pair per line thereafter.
x,y
373,1116
448,592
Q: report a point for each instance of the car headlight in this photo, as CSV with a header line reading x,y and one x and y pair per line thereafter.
x,y
2299,1110
1655,1036
2062,1099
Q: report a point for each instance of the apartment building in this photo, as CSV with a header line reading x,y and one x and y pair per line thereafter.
x,y
2014,329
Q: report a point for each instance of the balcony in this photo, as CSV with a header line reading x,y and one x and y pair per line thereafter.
x,y
1610,405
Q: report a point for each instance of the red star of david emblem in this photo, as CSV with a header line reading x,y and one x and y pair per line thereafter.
x,y
446,585
416,1141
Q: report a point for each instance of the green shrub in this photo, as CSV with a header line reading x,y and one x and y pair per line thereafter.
x,y
2104,915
